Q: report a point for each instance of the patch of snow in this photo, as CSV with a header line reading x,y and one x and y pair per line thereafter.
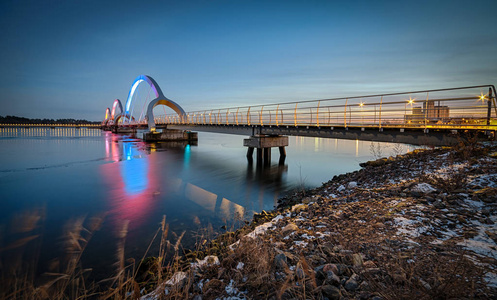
x,y
207,261
491,279
406,226
230,288
261,229
321,235
482,244
288,236
424,188
352,185
473,203
240,265
309,237
300,243
177,278
340,188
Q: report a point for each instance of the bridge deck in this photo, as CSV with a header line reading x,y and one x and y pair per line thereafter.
x,y
432,137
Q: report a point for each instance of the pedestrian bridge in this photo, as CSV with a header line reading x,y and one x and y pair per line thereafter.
x,y
424,117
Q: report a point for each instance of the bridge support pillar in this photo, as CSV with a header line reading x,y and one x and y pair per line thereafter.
x,y
263,144
171,135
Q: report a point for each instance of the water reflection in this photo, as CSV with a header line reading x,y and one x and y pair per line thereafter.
x,y
49,132
130,180
142,178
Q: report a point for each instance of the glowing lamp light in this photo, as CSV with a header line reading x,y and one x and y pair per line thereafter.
x,y
483,97
361,104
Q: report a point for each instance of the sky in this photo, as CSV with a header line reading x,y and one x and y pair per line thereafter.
x,y
72,58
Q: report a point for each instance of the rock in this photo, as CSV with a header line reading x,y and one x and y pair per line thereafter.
x,y
299,272
357,260
491,235
331,292
416,194
430,199
332,278
439,204
280,260
369,264
298,208
364,286
289,228
341,269
371,271
351,284
330,268
423,188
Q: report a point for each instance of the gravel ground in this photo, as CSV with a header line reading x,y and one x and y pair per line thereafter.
x,y
418,226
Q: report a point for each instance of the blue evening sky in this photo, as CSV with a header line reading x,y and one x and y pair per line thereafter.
x,y
71,59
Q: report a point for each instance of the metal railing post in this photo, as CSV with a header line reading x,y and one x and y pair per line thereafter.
x,y
295,115
277,107
345,114
379,121
248,116
317,114
260,116
489,110
425,110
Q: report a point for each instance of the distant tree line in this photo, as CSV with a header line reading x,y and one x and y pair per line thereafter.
x,y
22,120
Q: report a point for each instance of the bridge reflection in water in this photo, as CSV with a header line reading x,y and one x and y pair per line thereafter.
x,y
147,181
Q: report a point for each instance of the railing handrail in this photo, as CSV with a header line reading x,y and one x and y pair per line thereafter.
x,y
358,97
456,109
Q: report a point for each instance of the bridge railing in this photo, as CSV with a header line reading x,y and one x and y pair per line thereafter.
x,y
465,107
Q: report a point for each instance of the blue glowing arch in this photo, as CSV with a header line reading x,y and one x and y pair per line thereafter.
x,y
159,100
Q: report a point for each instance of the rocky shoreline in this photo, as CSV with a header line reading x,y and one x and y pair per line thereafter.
x,y
418,226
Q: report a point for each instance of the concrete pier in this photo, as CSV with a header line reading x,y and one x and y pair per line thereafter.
x,y
170,135
263,144
123,129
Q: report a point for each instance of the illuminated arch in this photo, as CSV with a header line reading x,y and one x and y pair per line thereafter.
x,y
107,114
162,101
123,115
117,103
159,100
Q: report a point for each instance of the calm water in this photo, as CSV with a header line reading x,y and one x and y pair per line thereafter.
x,y
71,173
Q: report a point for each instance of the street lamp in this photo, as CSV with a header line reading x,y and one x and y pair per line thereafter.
x,y
411,102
